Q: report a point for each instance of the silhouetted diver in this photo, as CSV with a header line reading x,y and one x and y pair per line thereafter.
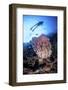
x,y
36,25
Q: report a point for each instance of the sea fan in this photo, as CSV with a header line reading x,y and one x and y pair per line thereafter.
x,y
42,47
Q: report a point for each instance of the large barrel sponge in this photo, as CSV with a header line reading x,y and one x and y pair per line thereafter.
x,y
42,46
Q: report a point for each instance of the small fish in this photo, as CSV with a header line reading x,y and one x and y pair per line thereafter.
x,y
36,34
36,25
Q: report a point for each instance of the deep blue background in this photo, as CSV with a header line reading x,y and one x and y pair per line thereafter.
x,y
48,27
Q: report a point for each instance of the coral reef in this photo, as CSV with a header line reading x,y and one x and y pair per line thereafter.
x,y
40,55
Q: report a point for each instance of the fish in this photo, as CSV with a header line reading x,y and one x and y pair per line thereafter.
x,y
36,34
36,25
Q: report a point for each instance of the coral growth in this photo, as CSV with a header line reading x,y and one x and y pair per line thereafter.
x,y
39,57
42,47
